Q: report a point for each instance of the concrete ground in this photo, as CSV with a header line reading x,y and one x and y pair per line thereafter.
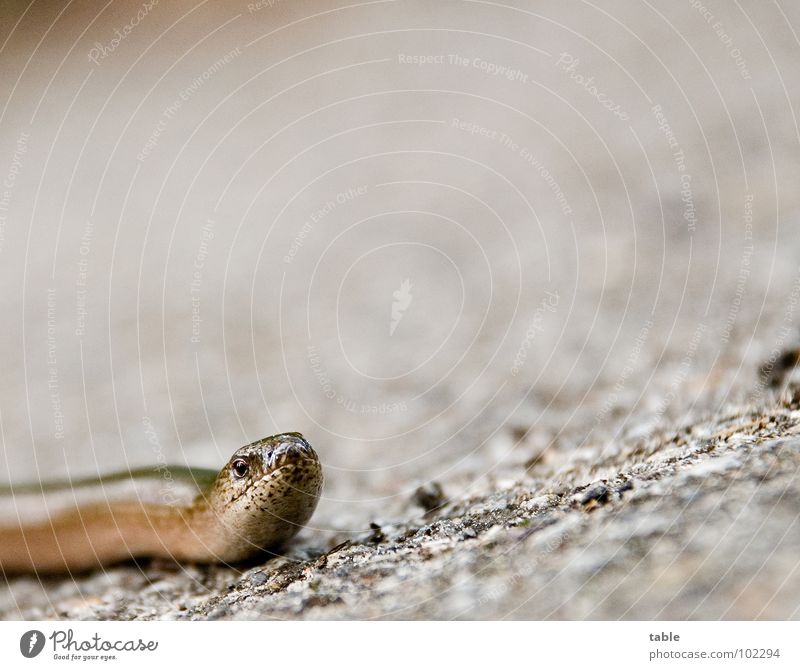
x,y
526,274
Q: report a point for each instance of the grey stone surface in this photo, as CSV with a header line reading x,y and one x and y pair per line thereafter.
x,y
696,522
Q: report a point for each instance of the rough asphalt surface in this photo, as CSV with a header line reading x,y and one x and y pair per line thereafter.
x,y
525,274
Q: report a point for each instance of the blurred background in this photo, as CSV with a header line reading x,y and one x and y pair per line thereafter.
x,y
427,235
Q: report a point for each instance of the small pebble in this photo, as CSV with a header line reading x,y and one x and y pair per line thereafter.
x,y
596,492
429,496
258,578
377,534
627,485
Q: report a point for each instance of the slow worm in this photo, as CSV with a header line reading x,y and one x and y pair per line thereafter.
x,y
262,497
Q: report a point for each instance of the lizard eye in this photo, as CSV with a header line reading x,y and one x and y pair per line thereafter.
x,y
239,468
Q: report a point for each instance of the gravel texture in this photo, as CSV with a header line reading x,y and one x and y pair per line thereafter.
x,y
695,522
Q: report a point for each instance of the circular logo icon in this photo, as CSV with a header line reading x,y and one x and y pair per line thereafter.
x,y
31,643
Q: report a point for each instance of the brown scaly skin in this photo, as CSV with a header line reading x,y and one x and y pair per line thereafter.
x,y
260,499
